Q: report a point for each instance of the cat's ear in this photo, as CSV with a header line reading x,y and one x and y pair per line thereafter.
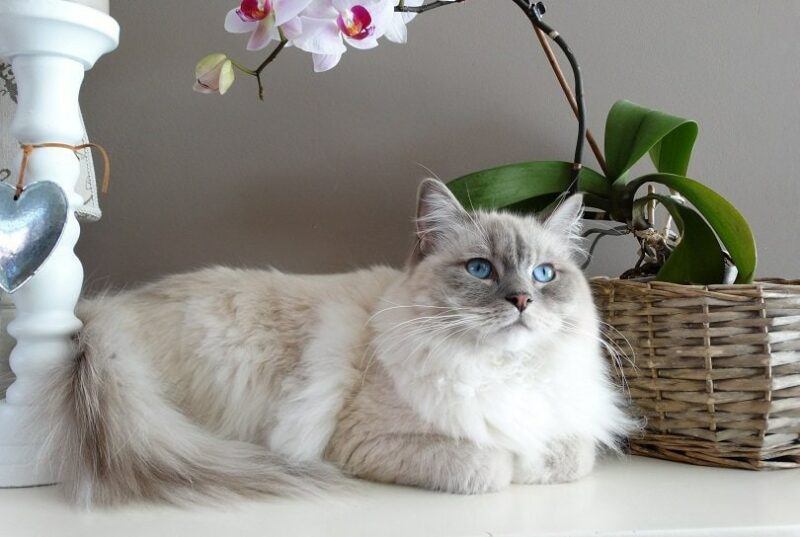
x,y
438,212
566,217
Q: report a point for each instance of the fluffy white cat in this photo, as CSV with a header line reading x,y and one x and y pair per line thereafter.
x,y
476,366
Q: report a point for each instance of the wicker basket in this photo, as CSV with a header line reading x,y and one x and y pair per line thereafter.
x,y
714,369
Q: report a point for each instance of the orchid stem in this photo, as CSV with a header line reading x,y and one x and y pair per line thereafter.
x,y
562,81
402,8
271,57
534,11
269,60
242,68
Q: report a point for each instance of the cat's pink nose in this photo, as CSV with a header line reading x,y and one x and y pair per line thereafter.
x,y
520,301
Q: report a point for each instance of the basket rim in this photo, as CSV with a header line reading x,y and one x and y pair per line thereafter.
x,y
641,282
735,292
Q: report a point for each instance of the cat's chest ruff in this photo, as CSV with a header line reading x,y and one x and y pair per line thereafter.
x,y
471,375
491,398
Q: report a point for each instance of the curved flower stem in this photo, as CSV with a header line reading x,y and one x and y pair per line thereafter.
x,y
562,81
242,68
534,11
402,8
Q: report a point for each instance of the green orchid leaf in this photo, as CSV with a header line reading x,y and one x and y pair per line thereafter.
x,y
698,258
597,202
533,205
593,184
632,131
726,221
519,186
544,204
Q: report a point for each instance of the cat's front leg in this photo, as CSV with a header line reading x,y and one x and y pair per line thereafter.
x,y
429,461
566,459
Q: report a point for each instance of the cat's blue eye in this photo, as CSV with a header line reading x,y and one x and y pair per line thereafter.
x,y
544,273
479,267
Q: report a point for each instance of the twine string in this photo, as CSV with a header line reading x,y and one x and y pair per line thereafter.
x,y
26,153
27,149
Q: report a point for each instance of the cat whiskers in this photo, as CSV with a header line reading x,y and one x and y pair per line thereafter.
x,y
615,353
446,312
606,327
402,306
432,350
457,327
475,222
428,325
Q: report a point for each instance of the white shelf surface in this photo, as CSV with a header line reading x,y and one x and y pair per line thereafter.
x,y
627,497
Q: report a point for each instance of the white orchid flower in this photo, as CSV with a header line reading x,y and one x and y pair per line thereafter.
x,y
330,24
263,19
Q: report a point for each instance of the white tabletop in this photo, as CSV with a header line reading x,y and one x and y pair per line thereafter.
x,y
635,496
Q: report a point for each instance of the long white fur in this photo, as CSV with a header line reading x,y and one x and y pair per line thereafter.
x,y
250,382
307,417
515,396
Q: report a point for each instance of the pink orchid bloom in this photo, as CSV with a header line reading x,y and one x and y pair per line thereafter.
x,y
263,18
355,23
213,74
329,24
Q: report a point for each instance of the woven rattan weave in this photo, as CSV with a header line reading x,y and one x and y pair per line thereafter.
x,y
715,370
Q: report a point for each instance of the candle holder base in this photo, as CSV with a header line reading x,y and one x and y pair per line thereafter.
x,y
21,461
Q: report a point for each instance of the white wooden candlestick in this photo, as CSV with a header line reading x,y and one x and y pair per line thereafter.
x,y
50,44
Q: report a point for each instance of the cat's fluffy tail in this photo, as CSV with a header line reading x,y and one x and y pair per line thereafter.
x,y
117,439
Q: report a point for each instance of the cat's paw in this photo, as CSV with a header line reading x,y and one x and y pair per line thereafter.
x,y
565,460
483,471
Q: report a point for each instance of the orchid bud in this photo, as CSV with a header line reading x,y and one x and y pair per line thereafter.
x,y
213,74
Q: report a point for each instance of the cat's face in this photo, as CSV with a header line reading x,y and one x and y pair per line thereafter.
x,y
496,277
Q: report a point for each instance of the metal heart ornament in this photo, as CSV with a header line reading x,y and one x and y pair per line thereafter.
x,y
30,228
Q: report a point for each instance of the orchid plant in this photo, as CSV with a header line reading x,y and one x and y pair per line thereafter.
x,y
713,242
711,236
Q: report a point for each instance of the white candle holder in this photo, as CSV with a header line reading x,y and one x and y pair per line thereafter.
x,y
50,44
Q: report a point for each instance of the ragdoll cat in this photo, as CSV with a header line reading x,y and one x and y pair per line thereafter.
x,y
477,366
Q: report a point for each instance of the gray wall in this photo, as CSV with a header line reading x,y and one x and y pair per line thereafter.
x,y
321,176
